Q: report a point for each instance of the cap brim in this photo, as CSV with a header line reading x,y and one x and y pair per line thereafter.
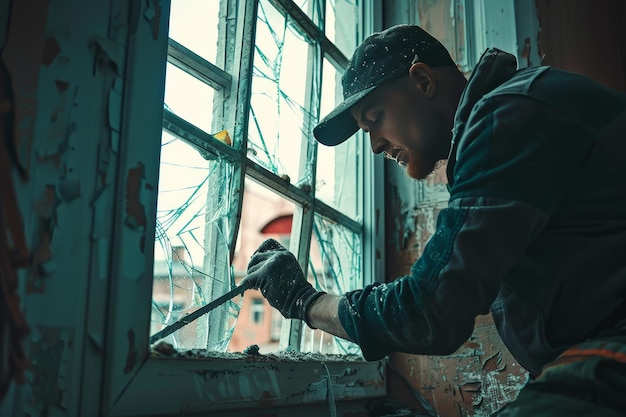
x,y
339,125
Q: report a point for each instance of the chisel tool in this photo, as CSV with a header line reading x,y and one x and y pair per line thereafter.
x,y
185,320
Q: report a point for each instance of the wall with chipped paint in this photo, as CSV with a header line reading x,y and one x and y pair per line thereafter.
x,y
66,60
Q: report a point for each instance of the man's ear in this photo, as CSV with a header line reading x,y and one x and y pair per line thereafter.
x,y
421,75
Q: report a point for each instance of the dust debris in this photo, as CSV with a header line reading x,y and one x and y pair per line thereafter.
x,y
252,350
251,353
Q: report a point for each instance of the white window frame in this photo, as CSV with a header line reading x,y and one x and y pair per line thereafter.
x,y
135,383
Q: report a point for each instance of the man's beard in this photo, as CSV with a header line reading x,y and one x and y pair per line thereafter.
x,y
420,167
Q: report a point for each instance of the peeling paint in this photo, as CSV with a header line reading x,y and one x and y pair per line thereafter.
x,y
51,50
152,13
42,264
255,384
317,391
526,52
109,52
131,356
61,85
115,112
61,127
51,352
135,210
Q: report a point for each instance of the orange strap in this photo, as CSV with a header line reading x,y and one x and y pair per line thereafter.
x,y
577,354
585,353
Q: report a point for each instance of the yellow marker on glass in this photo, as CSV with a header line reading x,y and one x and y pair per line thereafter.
x,y
223,137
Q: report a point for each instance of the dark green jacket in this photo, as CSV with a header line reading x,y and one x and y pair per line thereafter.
x,y
534,231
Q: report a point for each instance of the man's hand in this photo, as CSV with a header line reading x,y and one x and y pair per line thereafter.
x,y
276,272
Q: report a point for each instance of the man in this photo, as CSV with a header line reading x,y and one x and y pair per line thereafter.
x,y
534,231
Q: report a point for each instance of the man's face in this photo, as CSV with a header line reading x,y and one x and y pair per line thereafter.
x,y
404,125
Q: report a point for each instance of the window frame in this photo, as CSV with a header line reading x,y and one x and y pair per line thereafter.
x,y
135,382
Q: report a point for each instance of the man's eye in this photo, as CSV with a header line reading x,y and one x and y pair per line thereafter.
x,y
372,118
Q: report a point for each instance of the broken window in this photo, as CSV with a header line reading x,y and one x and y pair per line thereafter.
x,y
194,201
239,164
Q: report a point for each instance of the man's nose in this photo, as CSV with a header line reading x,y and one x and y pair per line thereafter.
x,y
378,143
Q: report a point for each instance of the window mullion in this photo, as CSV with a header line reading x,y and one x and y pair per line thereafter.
x,y
195,65
239,96
208,146
312,31
301,230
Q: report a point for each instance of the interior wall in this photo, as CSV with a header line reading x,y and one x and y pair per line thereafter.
x,y
67,70
586,37
583,36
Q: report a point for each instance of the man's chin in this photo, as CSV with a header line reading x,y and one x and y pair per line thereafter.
x,y
417,170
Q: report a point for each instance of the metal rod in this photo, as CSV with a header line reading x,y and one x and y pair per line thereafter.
x,y
183,321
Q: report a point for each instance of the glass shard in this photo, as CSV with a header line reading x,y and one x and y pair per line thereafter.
x,y
191,251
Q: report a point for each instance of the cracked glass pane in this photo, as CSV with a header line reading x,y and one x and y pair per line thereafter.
x,y
265,214
280,120
189,98
335,267
312,8
192,23
191,248
338,167
342,26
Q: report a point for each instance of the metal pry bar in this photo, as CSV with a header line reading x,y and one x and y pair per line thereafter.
x,y
185,320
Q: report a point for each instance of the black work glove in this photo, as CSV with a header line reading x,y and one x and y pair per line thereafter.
x,y
276,272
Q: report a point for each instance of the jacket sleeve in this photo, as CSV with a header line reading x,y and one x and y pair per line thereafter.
x,y
513,167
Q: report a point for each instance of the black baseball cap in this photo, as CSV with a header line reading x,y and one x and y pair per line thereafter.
x,y
381,57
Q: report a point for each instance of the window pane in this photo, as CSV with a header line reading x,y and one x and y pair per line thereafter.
x,y
193,23
189,98
334,267
264,215
279,117
191,255
338,167
312,8
342,27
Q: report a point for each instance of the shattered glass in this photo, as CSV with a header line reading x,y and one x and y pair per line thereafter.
x,y
280,120
312,8
335,266
338,174
342,26
191,250
197,211
265,214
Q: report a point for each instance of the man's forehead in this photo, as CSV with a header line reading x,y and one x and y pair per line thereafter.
x,y
363,104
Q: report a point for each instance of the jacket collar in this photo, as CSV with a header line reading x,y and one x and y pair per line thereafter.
x,y
494,68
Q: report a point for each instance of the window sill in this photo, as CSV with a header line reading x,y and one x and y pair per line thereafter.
x,y
166,385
